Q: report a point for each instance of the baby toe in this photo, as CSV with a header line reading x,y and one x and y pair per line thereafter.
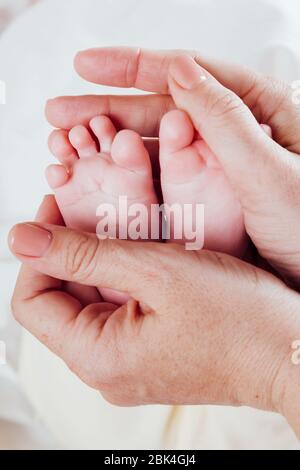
x,y
60,146
105,132
83,142
57,176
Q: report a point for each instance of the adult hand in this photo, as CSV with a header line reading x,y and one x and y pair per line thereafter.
x,y
265,173
202,328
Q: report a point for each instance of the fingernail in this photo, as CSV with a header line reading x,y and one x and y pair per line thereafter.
x,y
30,240
187,73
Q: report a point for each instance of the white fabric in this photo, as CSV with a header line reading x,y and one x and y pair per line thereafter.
x,y
36,63
19,426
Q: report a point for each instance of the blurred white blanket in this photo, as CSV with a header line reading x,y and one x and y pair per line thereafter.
x,y
36,63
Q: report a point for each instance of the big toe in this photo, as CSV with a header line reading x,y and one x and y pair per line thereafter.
x,y
176,131
179,158
128,151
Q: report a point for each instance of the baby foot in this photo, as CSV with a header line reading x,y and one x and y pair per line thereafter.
x,y
190,174
88,178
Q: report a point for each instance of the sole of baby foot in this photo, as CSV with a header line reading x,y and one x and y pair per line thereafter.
x,y
105,167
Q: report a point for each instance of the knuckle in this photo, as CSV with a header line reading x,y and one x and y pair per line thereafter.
x,y
277,88
82,368
110,367
105,379
221,106
81,257
120,363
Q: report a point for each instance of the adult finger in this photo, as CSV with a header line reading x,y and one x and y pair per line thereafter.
x,y
245,151
139,113
148,70
270,101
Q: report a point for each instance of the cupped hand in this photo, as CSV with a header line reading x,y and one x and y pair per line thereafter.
x,y
225,108
200,328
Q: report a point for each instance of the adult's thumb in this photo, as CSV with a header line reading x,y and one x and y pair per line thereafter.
x,y
81,257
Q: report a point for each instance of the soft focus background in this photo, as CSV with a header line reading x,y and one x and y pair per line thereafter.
x,y
20,428
10,9
38,40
